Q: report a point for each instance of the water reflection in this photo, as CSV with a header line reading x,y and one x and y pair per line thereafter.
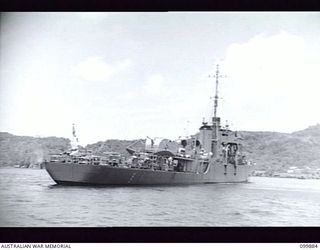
x,y
31,198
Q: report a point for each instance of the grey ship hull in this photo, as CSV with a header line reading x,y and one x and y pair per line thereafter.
x,y
81,174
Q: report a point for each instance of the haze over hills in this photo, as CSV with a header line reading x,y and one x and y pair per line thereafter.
x,y
270,151
28,150
273,151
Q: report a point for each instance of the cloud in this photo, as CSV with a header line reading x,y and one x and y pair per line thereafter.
x,y
156,85
270,81
266,58
96,69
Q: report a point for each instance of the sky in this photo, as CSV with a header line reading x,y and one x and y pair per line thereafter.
x,y
133,75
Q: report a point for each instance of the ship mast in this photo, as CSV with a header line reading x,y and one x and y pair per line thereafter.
x,y
215,119
217,76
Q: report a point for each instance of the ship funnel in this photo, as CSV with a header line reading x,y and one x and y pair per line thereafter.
x,y
215,135
205,136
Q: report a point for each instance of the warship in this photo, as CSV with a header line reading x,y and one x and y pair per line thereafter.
x,y
213,155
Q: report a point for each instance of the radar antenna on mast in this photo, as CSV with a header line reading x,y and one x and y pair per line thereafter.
x,y
217,76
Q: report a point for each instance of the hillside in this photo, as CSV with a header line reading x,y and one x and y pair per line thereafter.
x,y
27,150
270,151
112,146
274,151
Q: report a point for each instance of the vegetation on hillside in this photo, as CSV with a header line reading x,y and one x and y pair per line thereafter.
x,y
271,151
27,151
118,146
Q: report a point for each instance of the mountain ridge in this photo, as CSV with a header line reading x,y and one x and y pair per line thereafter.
x,y
270,151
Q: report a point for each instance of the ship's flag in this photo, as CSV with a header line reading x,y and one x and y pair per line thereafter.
x,y
73,131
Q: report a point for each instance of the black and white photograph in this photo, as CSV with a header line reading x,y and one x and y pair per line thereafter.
x,y
159,119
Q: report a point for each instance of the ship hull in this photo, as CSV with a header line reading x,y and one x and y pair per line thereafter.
x,y
82,174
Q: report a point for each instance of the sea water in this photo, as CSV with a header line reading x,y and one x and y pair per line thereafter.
x,y
30,198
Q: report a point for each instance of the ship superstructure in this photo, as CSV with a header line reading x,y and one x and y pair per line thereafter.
x,y
212,155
